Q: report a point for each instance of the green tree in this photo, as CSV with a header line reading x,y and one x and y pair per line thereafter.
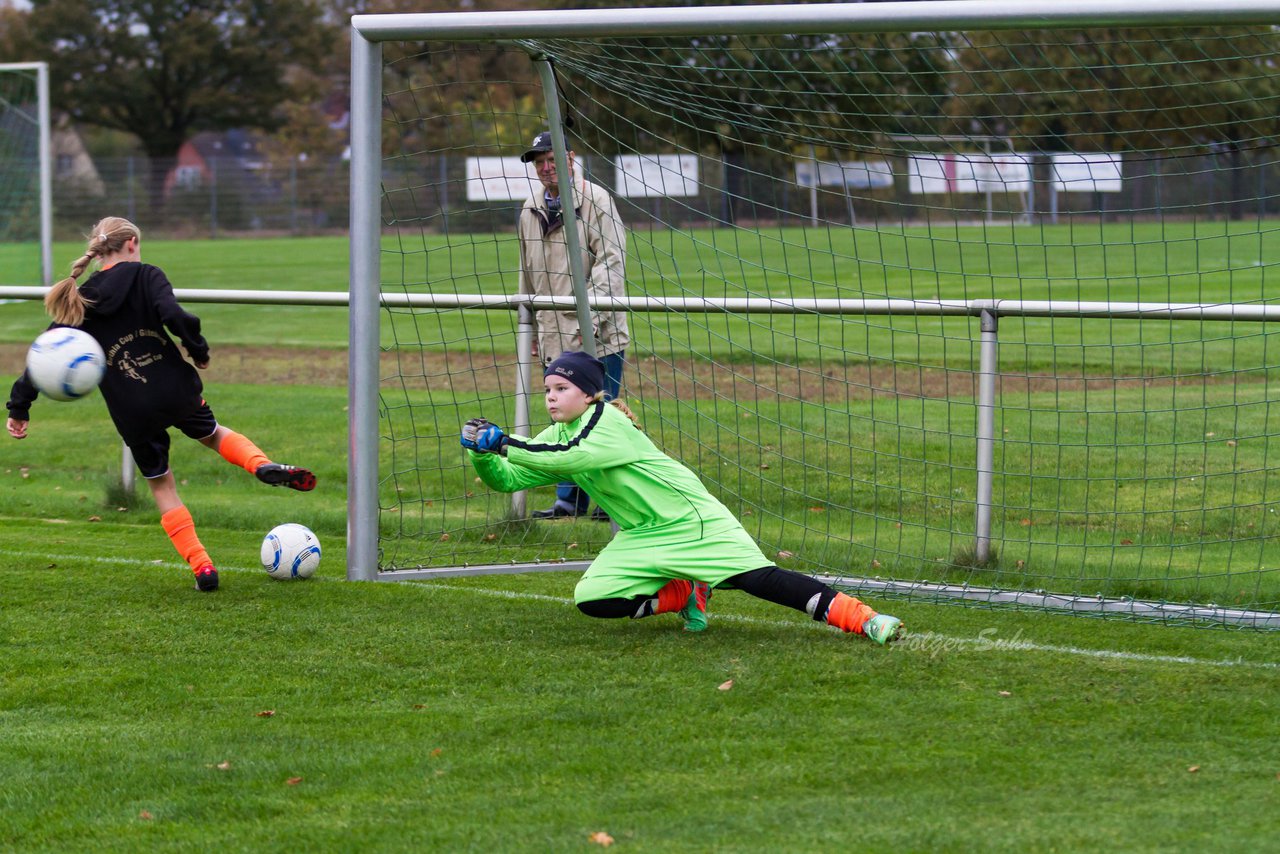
x,y
165,70
1173,91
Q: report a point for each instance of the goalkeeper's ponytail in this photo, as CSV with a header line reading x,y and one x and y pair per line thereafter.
x,y
626,410
622,407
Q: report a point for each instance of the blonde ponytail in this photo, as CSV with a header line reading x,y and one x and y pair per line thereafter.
x,y
63,302
626,410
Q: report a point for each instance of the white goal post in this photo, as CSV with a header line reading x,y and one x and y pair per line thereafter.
x,y
368,299
21,115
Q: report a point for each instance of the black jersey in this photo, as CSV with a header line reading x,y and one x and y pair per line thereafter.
x,y
148,385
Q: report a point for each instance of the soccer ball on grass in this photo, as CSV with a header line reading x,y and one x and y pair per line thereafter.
x,y
65,363
290,551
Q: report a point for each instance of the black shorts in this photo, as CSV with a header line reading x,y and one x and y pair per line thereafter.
x,y
152,453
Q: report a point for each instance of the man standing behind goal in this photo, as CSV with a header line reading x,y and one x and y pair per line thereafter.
x,y
545,271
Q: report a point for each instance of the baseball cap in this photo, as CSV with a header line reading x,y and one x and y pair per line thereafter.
x,y
541,144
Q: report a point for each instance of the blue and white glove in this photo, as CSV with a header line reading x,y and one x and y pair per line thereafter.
x,y
485,438
470,431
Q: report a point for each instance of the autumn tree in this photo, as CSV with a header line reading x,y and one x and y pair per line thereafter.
x,y
164,70
1172,90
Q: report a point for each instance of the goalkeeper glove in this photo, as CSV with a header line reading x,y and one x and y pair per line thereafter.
x,y
485,438
469,432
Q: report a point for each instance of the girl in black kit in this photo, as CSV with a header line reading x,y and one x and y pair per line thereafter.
x,y
148,386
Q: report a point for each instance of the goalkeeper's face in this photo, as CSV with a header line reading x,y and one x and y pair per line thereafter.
x,y
565,401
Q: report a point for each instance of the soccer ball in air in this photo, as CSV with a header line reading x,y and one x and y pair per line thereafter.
x,y
290,551
65,363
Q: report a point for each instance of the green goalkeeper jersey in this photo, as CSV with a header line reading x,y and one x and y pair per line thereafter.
x,y
669,525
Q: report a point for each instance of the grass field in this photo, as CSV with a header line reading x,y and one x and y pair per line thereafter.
x,y
487,714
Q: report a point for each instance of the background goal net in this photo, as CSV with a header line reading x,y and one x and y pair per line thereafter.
x,y
26,206
1107,195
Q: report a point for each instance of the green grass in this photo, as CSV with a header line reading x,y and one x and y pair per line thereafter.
x,y
1151,262
487,714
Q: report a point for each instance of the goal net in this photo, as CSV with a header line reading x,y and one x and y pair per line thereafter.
x,y
937,312
26,248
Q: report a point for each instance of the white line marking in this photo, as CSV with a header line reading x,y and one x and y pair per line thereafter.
x,y
927,642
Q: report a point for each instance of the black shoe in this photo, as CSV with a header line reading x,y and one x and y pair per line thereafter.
x,y
598,515
206,578
290,476
553,512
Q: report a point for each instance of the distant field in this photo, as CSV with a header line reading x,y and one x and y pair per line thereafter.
x,y
1155,262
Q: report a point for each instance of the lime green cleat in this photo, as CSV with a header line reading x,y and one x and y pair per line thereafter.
x,y
883,629
694,612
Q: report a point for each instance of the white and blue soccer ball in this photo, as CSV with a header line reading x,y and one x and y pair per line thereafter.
x,y
290,551
65,363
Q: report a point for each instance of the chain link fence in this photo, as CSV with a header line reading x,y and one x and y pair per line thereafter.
x,y
226,196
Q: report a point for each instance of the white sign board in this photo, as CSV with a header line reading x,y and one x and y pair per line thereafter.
x,y
1087,173
854,174
653,175
498,179
969,173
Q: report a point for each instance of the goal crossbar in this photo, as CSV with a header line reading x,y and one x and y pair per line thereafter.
x,y
816,18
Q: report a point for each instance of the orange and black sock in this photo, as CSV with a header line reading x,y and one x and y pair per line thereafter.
x,y
239,451
180,527
848,613
672,597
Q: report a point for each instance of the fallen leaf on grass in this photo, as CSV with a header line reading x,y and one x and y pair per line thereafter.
x,y
437,751
1006,693
223,766
145,816
784,554
266,713
725,686
1193,769
601,838
293,781
95,518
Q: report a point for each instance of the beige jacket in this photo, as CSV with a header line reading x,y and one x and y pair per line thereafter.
x,y
544,269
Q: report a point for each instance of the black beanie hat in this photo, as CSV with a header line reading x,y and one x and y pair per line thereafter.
x,y
586,372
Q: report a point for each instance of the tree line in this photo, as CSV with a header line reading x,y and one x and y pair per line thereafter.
x,y
165,70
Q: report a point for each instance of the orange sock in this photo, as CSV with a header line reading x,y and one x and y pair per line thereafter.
x,y
239,451
177,523
848,613
673,595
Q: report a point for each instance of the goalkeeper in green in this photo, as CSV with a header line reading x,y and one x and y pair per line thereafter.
x,y
675,540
